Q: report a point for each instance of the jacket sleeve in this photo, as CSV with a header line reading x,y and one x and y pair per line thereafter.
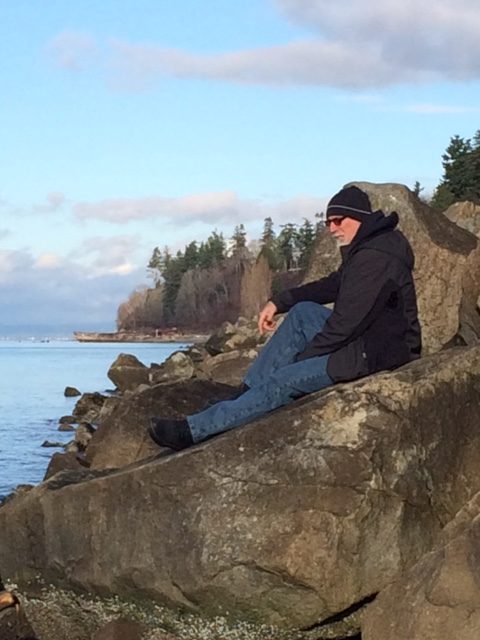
x,y
321,291
363,280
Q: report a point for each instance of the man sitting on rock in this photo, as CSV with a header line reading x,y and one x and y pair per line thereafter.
x,y
373,325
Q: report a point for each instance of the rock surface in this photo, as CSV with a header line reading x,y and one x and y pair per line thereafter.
x,y
465,215
127,372
447,271
228,368
288,520
439,598
71,392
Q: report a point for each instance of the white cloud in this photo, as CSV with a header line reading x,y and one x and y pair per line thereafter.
x,y
72,50
351,44
54,201
112,255
48,290
432,109
48,260
208,208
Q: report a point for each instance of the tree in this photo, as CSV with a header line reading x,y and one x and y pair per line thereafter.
x,y
417,188
239,239
304,242
154,267
191,257
212,251
269,245
286,245
461,173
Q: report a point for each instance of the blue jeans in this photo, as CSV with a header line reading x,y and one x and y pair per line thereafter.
x,y
275,379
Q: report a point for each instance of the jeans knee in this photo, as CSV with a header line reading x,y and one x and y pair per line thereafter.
x,y
302,307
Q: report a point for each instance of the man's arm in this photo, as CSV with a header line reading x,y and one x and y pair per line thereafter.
x,y
321,291
367,275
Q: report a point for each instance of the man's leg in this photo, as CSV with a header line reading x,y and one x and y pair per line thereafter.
x,y
274,376
282,387
301,324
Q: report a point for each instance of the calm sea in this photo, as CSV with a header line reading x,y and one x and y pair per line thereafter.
x,y
33,376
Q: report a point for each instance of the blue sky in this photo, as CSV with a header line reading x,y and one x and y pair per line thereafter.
x,y
126,125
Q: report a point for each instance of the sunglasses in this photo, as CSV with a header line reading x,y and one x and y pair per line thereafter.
x,y
335,221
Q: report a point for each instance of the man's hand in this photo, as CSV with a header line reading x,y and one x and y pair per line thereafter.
x,y
265,319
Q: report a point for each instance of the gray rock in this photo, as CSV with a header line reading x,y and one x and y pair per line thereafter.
x,y
62,462
89,407
228,368
127,372
71,392
289,520
178,366
438,598
66,427
465,215
83,435
231,337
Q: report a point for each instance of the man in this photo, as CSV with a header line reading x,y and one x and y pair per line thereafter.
x,y
373,325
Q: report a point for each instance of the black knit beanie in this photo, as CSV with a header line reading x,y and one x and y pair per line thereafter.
x,y
351,202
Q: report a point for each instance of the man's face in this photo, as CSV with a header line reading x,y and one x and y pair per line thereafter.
x,y
343,228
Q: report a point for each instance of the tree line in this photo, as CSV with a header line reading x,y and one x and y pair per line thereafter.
x,y
214,280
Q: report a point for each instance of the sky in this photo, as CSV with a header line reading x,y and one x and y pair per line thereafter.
x,y
130,124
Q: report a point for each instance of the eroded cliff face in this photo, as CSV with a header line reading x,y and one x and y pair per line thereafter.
x,y
287,520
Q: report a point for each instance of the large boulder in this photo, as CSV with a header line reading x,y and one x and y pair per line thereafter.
x,y
289,520
447,270
439,598
466,215
127,372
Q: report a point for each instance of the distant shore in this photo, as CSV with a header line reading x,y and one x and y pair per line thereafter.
x,y
139,336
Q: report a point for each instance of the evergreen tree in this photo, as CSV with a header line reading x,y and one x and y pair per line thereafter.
x,y
417,188
191,256
461,173
304,242
212,251
269,245
286,245
239,239
320,218
172,275
154,267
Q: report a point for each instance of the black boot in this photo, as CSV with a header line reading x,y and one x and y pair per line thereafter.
x,y
174,434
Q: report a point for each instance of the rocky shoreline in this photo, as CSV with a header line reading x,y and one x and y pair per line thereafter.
x,y
352,514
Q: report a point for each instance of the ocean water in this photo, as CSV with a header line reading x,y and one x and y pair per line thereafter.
x,y
33,377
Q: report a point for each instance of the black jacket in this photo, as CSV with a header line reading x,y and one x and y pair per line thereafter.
x,y
374,323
